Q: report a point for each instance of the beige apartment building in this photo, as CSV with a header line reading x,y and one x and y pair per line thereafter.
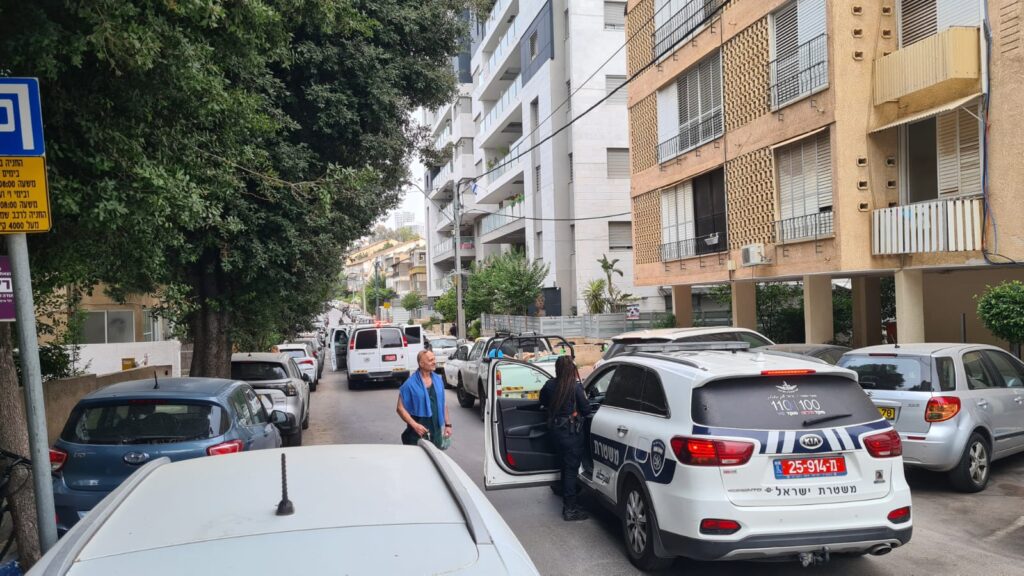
x,y
816,140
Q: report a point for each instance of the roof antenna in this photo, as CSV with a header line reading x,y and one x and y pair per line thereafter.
x,y
156,383
284,507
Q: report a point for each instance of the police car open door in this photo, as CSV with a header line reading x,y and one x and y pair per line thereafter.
x,y
518,450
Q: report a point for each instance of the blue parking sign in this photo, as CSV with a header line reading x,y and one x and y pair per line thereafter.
x,y
21,118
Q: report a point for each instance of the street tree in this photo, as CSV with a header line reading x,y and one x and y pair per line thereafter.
x,y
617,299
412,301
594,296
1001,310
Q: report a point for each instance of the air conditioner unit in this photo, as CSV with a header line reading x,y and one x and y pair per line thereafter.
x,y
752,255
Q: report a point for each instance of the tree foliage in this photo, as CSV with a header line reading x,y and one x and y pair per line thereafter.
x,y
445,305
412,301
505,284
1001,310
593,296
377,291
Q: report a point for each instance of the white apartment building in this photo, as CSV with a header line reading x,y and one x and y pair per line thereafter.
x,y
566,202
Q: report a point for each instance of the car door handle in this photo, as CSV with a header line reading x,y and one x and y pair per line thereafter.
x,y
982,403
1019,399
623,430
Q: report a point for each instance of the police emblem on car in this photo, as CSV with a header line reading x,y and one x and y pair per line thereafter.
x,y
786,387
136,458
657,457
811,441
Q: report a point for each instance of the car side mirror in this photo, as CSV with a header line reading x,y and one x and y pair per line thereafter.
x,y
305,377
282,419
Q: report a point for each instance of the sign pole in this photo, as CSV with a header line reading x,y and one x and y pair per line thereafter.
x,y
17,250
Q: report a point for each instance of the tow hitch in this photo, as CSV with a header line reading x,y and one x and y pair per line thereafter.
x,y
814,558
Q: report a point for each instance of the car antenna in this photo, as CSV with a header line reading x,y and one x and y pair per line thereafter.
x,y
156,383
285,506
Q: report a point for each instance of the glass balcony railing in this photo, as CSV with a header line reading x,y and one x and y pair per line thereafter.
x,y
506,162
447,246
508,98
503,216
509,41
494,18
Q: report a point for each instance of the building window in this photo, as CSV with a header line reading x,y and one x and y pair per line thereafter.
x,y
800,49
572,238
615,94
566,24
690,109
620,235
942,156
570,168
538,247
676,20
533,46
920,19
614,15
693,217
109,327
618,162
536,178
804,176
568,98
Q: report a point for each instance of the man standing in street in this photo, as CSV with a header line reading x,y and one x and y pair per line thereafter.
x,y
421,405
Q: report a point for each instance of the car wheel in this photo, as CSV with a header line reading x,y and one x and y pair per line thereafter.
x,y
295,438
638,529
353,385
465,400
305,421
482,397
972,472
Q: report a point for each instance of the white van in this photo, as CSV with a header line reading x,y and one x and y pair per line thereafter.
x,y
417,340
377,354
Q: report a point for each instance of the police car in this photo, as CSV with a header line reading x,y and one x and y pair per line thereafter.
x,y
712,452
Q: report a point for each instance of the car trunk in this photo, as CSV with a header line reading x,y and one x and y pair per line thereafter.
x,y
899,385
806,434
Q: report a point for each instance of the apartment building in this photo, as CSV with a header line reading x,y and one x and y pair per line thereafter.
x,y
532,181
814,140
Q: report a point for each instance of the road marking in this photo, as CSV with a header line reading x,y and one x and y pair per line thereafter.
x,y
1000,533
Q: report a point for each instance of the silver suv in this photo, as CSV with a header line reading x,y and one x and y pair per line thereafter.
x,y
957,407
276,376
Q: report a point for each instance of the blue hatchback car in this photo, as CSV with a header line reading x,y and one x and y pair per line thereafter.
x,y
113,431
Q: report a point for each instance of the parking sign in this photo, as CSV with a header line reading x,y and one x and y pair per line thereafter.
x,y
21,118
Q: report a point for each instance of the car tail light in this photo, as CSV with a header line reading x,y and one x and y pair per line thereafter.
x,y
704,452
229,447
719,527
405,343
899,515
57,459
941,408
290,390
307,361
793,372
352,344
884,445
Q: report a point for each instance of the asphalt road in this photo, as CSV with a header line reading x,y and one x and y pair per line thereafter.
x,y
953,533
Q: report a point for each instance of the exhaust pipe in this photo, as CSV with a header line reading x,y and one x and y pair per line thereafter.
x,y
880,550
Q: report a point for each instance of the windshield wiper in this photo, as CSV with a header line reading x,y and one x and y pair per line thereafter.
x,y
820,419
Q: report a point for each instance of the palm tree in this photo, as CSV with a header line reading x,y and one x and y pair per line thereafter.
x,y
593,296
616,299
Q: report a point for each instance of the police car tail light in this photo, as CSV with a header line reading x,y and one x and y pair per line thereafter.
x,y
229,447
716,526
793,372
57,459
352,344
899,515
703,452
884,444
941,408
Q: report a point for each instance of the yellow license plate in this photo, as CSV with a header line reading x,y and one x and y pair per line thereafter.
x,y
888,413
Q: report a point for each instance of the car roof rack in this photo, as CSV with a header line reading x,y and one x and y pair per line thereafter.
x,y
474,520
662,347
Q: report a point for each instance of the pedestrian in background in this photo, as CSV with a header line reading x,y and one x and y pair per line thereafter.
x,y
421,405
567,406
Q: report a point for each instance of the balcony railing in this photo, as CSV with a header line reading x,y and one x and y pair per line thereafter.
x,y
807,227
509,97
953,225
509,40
692,135
799,74
502,217
697,246
680,25
505,163
947,65
495,16
448,245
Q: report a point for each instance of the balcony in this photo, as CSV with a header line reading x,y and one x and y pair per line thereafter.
x,y
441,181
506,177
446,219
496,17
506,226
941,67
814,226
800,74
682,24
693,134
495,62
507,103
445,249
693,247
953,225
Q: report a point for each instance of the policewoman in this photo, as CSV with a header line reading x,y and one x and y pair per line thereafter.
x,y
421,405
567,407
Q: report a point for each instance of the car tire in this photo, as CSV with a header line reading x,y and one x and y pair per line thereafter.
x,y
481,397
465,400
305,421
972,472
295,438
638,528
353,385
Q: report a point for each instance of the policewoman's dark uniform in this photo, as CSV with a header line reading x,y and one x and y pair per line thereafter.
x,y
568,434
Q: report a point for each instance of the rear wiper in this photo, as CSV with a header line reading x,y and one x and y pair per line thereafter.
x,y
820,419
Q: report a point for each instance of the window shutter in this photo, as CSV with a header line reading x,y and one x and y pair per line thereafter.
x,y
570,168
946,153
810,20
620,235
668,113
956,13
824,170
805,177
958,153
669,217
686,216
786,32
970,153
536,178
614,14
618,162
918,20
610,84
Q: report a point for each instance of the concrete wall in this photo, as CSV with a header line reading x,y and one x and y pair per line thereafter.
x,y
948,295
104,358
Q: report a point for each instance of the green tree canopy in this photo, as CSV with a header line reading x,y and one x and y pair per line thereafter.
x,y
412,301
1001,309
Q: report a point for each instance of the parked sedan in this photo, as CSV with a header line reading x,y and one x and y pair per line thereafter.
x,y
277,377
957,407
115,430
443,347
454,364
305,359
319,352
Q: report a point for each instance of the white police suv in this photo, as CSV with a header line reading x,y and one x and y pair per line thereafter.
x,y
716,454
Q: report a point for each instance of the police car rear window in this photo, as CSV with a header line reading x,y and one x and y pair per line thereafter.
x,y
775,403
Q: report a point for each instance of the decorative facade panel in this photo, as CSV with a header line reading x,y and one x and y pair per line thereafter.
x,y
640,18
647,236
750,197
745,72
643,133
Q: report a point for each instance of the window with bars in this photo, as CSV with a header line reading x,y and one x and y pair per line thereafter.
x,y
920,19
618,163
693,217
690,109
804,180
615,15
620,96
676,20
620,235
943,156
800,49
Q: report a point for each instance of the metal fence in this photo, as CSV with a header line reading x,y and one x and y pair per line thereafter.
x,y
590,326
807,227
690,247
799,73
691,136
683,23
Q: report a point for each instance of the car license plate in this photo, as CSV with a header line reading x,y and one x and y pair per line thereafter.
x,y
887,413
389,357
810,467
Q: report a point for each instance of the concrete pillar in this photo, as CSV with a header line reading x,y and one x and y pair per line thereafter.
x,y
909,306
867,311
744,305
818,309
682,306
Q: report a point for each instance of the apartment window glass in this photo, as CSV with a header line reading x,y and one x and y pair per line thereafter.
x,y
693,217
538,247
566,24
614,15
920,19
611,83
620,235
943,156
109,327
690,109
533,46
800,49
804,177
618,162
677,221
570,167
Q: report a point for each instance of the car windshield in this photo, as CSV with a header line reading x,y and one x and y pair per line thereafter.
x,y
144,422
258,371
900,373
443,342
295,353
776,403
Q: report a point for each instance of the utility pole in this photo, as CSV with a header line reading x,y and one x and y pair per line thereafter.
x,y
460,314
